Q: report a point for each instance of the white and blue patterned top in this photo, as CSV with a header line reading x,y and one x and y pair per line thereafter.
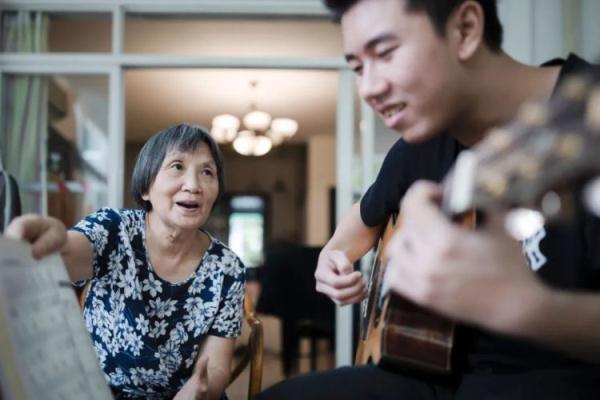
x,y
147,331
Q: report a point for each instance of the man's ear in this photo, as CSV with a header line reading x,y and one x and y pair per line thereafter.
x,y
465,26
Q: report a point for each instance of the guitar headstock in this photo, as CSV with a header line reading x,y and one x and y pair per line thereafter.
x,y
537,161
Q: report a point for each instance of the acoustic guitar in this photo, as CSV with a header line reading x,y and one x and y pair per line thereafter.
x,y
538,165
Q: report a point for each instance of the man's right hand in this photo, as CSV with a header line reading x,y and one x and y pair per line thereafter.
x,y
337,279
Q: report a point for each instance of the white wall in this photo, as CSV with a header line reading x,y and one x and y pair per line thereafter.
x,y
533,29
590,29
538,30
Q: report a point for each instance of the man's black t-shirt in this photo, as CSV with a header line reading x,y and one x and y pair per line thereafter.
x,y
403,165
566,256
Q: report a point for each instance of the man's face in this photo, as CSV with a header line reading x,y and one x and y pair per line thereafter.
x,y
404,70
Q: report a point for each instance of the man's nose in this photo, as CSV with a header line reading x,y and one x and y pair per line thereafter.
x,y
372,85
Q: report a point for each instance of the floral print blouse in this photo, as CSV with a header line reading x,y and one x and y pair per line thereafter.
x,y
146,331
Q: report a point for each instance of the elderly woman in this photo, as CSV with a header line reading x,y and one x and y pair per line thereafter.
x,y
165,297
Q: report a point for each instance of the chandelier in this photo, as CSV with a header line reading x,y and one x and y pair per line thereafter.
x,y
259,134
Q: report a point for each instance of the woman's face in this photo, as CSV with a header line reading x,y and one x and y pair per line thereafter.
x,y
185,188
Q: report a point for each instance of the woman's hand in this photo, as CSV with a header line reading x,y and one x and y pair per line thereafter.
x,y
46,234
196,388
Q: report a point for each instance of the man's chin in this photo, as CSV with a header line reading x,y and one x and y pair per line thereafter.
x,y
414,137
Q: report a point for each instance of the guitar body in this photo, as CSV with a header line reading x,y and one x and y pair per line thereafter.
x,y
397,332
549,153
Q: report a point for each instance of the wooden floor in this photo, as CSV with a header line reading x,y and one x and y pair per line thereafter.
x,y
272,372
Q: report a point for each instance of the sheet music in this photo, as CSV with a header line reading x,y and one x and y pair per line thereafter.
x,y
45,349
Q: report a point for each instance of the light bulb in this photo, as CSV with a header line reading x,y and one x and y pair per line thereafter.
x,y
285,126
224,128
257,120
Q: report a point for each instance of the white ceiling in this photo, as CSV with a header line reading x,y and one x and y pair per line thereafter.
x,y
159,98
156,98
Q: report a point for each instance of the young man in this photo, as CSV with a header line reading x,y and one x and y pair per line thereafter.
x,y
430,68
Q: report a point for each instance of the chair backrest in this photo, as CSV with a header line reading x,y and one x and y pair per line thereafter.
x,y
253,353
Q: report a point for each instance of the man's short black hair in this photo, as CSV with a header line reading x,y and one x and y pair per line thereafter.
x,y
184,138
438,12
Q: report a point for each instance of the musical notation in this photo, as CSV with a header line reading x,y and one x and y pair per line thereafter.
x,y
45,349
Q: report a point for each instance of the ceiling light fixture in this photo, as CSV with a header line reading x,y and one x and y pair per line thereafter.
x,y
261,132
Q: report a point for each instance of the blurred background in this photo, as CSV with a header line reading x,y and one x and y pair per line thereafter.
x,y
84,84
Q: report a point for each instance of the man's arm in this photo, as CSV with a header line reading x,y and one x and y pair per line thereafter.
x,y
335,274
566,320
482,277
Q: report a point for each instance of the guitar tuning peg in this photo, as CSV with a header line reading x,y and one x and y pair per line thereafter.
x,y
569,145
498,139
534,114
574,88
529,168
495,183
551,204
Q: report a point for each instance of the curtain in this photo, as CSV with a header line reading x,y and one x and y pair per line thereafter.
x,y
24,107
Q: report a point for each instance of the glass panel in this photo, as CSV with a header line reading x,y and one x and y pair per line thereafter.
x,y
220,37
69,113
246,229
24,117
35,32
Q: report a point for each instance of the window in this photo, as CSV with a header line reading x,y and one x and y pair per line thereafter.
x,y
54,140
247,229
40,32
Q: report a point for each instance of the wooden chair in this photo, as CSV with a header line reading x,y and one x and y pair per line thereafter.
x,y
253,353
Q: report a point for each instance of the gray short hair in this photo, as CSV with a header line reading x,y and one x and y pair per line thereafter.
x,y
184,138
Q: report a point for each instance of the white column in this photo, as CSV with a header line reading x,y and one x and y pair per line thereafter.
x,y
367,153
516,17
118,30
116,138
590,30
538,30
344,155
548,31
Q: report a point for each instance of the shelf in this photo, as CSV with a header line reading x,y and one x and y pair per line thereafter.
x,y
71,186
